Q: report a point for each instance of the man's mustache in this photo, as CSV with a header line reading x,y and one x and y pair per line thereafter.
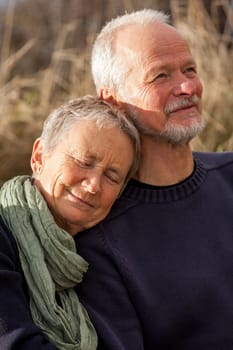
x,y
181,103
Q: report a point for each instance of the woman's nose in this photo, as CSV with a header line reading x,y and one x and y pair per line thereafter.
x,y
92,184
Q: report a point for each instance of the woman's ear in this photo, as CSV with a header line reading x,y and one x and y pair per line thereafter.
x,y
37,156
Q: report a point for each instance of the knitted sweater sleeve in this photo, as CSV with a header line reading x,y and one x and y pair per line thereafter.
x,y
104,294
17,330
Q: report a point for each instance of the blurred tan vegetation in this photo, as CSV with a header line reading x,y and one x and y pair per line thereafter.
x,y
45,60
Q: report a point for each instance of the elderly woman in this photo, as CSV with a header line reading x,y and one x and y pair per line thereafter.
x,y
86,153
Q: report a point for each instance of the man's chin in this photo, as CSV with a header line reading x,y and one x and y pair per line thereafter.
x,y
182,134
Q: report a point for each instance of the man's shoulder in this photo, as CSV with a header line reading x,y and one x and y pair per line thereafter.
x,y
214,160
122,205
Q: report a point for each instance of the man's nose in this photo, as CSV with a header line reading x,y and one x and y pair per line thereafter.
x,y
188,87
185,86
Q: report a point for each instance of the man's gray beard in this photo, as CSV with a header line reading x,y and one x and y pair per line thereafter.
x,y
181,135
172,133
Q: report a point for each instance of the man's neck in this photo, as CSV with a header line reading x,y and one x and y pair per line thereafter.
x,y
164,164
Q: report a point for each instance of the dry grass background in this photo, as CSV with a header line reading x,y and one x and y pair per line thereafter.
x,y
44,60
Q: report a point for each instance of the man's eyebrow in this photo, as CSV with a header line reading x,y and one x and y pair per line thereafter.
x,y
190,61
157,67
153,70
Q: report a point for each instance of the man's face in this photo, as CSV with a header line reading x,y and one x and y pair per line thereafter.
x,y
162,89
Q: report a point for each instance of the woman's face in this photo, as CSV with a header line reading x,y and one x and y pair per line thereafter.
x,y
83,175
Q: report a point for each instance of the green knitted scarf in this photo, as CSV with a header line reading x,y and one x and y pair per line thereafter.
x,y
50,264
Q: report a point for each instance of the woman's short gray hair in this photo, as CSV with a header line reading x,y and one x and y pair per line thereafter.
x,y
108,70
61,120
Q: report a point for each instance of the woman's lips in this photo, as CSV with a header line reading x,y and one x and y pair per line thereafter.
x,y
80,200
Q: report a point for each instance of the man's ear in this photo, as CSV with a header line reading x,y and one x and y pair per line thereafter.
x,y
107,95
37,156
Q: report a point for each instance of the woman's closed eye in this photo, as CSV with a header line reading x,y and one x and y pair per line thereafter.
x,y
113,177
85,163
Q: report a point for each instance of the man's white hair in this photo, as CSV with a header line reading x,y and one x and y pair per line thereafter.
x,y
108,70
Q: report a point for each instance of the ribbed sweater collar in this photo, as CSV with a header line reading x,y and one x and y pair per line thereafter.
x,y
149,193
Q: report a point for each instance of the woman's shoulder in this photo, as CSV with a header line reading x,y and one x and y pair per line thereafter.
x,y
8,246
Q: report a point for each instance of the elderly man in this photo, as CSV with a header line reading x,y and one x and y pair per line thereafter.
x,y
161,263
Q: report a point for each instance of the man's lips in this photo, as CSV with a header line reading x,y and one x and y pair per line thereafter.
x,y
183,104
182,108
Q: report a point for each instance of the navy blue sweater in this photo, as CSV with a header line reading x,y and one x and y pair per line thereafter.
x,y
161,269
161,264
